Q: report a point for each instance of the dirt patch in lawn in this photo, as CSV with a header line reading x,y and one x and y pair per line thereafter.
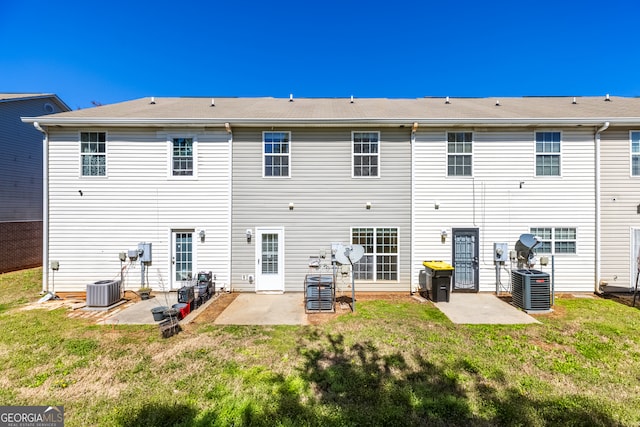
x,y
343,306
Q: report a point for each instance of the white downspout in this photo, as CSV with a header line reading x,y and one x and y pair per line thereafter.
x,y
45,208
227,127
604,127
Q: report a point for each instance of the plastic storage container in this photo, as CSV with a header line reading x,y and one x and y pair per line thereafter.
x,y
437,280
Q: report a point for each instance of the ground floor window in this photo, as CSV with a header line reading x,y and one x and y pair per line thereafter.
x,y
555,240
380,260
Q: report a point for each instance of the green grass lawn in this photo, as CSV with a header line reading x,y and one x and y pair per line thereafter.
x,y
388,364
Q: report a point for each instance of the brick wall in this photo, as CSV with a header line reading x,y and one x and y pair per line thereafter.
x,y
20,245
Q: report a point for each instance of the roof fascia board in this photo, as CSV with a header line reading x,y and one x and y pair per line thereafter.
x,y
424,122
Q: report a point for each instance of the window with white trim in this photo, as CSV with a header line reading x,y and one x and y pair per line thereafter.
x,y
555,240
459,153
380,260
93,153
548,153
276,153
635,153
365,153
182,157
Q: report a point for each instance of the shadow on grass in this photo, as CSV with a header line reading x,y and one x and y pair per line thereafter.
x,y
363,387
356,385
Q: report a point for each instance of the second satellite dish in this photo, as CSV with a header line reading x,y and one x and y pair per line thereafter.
x,y
349,254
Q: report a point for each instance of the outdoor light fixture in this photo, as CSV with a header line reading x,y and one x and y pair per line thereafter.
x,y
443,235
368,206
436,205
291,206
202,234
249,234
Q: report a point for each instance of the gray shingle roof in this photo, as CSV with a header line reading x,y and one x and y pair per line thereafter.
x,y
303,111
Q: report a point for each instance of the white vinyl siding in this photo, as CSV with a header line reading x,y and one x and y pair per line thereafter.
x,y
276,150
504,199
548,153
619,199
366,154
459,153
93,153
138,203
635,153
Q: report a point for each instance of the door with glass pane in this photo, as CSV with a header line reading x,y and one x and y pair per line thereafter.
x,y
270,260
465,260
181,258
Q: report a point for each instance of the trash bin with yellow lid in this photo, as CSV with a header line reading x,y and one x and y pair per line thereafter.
x,y
435,280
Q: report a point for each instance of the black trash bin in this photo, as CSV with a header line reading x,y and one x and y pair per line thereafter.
x,y
438,280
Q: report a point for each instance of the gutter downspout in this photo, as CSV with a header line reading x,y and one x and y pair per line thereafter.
x,y
412,287
45,208
227,127
604,127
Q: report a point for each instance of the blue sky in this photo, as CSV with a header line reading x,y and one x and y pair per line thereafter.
x,y
111,51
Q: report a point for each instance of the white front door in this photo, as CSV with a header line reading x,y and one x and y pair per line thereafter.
x,y
270,260
181,258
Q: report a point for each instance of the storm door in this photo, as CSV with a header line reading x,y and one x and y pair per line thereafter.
x,y
465,260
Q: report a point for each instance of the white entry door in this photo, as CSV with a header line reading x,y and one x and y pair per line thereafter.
x,y
181,258
270,260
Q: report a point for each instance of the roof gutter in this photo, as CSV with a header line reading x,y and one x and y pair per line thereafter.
x,y
45,207
321,122
598,241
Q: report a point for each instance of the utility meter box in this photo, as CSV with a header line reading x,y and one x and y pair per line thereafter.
x,y
500,252
144,250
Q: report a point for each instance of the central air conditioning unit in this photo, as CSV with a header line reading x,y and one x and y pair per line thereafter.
x,y
103,293
531,289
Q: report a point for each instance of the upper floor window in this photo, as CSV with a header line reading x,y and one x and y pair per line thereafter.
x,y
555,240
380,260
365,153
459,149
635,153
182,157
93,153
547,153
276,151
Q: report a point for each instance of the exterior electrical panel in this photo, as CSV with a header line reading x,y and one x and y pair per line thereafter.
x,y
500,252
144,250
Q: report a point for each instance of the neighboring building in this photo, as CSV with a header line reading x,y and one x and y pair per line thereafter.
x,y
620,203
274,182
21,178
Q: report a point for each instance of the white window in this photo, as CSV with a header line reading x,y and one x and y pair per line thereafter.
x,y
635,153
459,153
365,153
547,153
276,152
555,240
93,153
182,157
380,260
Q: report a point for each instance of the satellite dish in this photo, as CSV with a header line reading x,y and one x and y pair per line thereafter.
x,y
354,253
348,254
341,257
